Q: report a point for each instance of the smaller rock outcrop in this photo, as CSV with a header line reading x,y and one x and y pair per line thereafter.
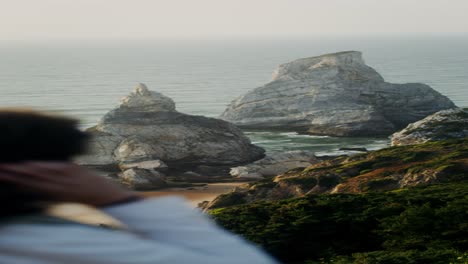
x,y
275,164
446,124
146,132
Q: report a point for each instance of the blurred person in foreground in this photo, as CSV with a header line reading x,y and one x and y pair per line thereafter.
x,y
35,172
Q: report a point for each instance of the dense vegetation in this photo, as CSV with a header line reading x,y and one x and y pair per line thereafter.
x,y
405,204
427,224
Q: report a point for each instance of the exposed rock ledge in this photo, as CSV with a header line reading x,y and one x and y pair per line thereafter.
x,y
443,125
275,164
146,132
334,94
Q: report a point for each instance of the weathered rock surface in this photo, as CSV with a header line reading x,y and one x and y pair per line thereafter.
x,y
142,179
446,124
148,165
275,164
145,127
334,94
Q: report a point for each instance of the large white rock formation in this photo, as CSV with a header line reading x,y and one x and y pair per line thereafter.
x,y
334,94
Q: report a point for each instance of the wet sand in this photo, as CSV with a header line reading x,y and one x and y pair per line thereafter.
x,y
194,196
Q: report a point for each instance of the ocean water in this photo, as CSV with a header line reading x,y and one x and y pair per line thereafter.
x,y
85,80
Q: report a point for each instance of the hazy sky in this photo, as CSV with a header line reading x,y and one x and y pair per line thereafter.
x,y
147,19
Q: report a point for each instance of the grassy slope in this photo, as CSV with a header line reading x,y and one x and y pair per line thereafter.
x,y
382,170
369,220
415,225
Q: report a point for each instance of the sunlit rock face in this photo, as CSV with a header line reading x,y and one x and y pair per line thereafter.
x,y
443,125
275,164
142,179
334,94
146,127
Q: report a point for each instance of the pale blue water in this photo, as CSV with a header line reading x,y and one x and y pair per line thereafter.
x,y
87,80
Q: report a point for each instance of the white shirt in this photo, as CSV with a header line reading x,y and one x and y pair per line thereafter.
x,y
163,230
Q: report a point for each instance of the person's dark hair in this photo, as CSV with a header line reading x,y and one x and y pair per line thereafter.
x,y
34,136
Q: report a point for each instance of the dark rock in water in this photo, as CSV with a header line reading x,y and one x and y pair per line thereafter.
x,y
212,170
354,149
146,129
443,125
334,94
191,174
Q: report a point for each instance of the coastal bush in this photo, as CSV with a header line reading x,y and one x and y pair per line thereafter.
x,y
383,169
328,180
427,224
380,183
229,199
306,182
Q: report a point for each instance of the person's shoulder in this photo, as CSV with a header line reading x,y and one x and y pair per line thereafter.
x,y
42,230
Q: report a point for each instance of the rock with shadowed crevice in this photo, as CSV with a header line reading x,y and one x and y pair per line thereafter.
x,y
145,129
334,94
443,125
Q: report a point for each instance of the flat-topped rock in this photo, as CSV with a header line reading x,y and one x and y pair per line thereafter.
x,y
334,94
146,127
443,125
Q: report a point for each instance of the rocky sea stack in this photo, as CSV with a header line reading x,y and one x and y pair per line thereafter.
x,y
146,132
334,94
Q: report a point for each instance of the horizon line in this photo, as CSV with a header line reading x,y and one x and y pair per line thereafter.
x,y
232,37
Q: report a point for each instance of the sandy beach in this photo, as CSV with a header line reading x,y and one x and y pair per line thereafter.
x,y
194,196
